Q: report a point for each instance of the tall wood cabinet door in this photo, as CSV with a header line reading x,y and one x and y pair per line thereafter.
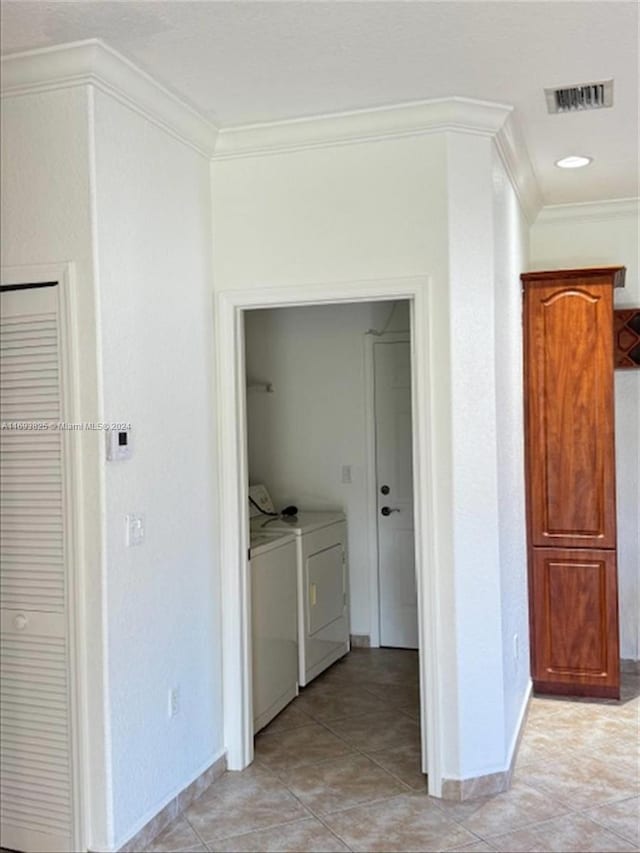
x,y
569,398
575,621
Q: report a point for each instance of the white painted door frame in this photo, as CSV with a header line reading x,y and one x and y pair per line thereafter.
x,y
64,275
371,474
234,522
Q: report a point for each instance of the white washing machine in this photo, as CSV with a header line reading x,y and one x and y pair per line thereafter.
x,y
323,588
274,618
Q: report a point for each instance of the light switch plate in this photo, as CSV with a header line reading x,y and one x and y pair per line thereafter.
x,y
134,530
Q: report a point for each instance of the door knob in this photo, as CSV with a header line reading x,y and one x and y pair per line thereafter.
x,y
385,490
387,510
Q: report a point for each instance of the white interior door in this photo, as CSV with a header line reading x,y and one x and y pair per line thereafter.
x,y
35,748
394,484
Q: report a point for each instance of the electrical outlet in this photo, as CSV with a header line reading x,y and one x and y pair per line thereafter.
x,y
174,701
346,474
516,647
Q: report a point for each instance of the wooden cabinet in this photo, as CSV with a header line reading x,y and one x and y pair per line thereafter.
x,y
575,621
570,465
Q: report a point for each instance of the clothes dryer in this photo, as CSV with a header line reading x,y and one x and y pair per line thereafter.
x,y
323,586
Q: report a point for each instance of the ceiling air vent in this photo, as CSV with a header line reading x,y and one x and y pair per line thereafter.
x,y
573,99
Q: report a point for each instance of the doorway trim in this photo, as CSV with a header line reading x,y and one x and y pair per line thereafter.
x,y
371,479
233,514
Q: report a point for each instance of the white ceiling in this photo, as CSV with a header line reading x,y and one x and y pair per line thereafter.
x,y
241,62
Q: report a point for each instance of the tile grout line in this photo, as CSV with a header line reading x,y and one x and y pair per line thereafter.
x,y
306,807
319,819
326,724
238,834
408,790
578,809
354,750
368,757
200,838
348,716
491,797
371,757
544,823
538,787
358,751
352,747
604,825
257,829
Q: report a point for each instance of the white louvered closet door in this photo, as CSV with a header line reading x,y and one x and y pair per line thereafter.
x,y
35,745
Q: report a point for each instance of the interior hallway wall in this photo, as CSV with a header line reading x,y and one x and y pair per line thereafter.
x,y
163,597
87,180
591,235
314,422
47,218
413,206
368,210
511,253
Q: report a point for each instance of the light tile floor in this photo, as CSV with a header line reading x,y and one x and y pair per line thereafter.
x,y
338,769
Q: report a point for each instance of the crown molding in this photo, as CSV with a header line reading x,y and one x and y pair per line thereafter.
x,y
460,115
514,154
94,63
408,119
615,208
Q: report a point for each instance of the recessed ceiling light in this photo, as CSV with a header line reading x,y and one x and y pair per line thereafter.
x,y
576,161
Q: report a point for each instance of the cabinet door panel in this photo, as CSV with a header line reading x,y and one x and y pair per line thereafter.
x,y
574,601
569,389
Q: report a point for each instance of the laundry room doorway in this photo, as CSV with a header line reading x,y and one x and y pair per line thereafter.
x,y
237,442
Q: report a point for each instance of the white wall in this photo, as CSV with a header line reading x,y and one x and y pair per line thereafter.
x,y
480,466
88,181
315,421
348,213
362,211
386,209
163,598
47,218
511,254
595,235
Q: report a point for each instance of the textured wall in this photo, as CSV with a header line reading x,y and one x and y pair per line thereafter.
x,y
347,213
511,241
163,601
47,218
477,605
389,209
